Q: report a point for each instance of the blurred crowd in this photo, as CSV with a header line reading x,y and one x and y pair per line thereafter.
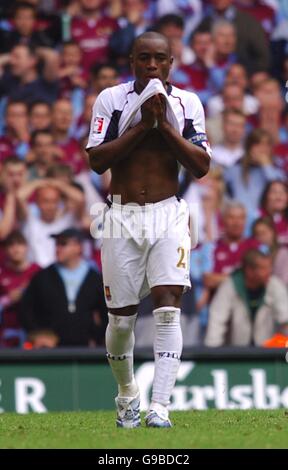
x,y
56,56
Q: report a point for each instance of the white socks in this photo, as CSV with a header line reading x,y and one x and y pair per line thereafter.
x,y
168,345
120,344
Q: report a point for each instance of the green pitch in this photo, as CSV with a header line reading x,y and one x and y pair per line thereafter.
x,y
192,429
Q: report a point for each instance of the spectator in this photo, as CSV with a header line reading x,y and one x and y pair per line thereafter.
x,y
232,98
44,153
271,105
225,255
237,76
24,29
172,26
264,232
231,149
132,23
62,173
62,118
265,14
82,124
103,76
16,273
7,216
22,81
247,179
211,262
274,204
252,47
40,117
190,10
250,306
92,29
67,297
16,137
208,195
13,177
223,53
50,215
195,76
71,74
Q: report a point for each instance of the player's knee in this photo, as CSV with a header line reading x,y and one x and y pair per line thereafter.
x,y
167,295
167,315
122,325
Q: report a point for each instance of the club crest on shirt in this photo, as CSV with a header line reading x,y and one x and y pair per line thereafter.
x,y
107,293
98,125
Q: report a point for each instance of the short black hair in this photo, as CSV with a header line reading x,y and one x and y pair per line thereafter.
x,y
70,42
12,102
13,160
30,47
24,6
37,132
96,69
14,237
38,102
150,35
200,30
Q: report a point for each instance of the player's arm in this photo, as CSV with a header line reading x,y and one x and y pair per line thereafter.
x,y
104,147
104,156
192,152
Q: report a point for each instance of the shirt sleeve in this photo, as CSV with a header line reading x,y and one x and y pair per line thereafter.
x,y
194,128
102,114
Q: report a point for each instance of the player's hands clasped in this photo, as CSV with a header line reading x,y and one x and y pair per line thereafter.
x,y
154,111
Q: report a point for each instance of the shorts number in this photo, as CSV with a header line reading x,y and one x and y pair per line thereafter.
x,y
183,253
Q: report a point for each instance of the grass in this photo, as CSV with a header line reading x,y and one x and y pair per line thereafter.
x,y
214,429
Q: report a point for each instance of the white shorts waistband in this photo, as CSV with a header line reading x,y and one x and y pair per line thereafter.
x,y
130,206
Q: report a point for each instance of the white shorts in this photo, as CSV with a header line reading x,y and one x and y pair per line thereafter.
x,y
144,247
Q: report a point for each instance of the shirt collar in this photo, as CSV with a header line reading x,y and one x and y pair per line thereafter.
x,y
169,88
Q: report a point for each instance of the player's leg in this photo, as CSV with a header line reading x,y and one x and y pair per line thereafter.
x,y
120,347
167,274
123,274
167,351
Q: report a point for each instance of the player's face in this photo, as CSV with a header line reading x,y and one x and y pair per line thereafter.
x,y
151,59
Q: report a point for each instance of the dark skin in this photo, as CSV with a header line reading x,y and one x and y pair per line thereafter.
x,y
144,160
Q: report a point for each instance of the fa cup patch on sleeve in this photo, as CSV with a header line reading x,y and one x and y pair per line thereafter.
x,y
98,125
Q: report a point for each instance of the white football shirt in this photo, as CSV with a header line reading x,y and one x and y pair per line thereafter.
x,y
113,104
